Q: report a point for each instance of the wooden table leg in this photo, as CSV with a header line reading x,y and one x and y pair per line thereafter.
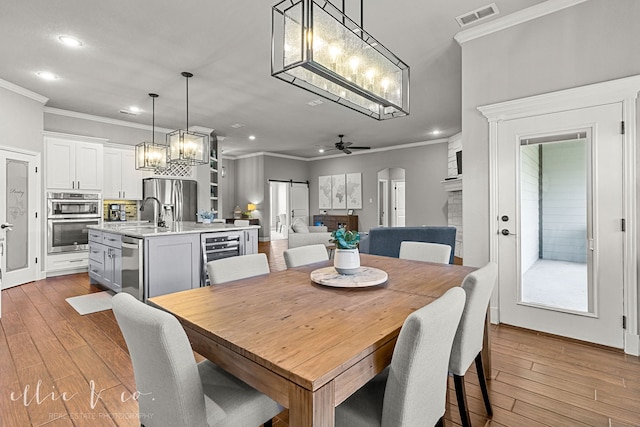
x,y
312,409
486,346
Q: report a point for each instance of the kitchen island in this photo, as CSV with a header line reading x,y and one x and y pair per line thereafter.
x,y
146,261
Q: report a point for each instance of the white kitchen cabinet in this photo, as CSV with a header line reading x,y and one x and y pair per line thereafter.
x,y
121,179
65,263
73,163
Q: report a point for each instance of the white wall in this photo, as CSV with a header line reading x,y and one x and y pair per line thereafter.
x,y
591,42
21,127
530,205
425,167
583,44
21,121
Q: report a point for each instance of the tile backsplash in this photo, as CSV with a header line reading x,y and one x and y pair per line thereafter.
x,y
131,208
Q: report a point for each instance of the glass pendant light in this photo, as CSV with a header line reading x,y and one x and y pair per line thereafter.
x,y
150,156
188,147
316,47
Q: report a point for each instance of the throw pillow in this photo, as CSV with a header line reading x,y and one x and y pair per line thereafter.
x,y
300,227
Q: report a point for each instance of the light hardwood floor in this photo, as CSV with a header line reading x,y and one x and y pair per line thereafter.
x,y
537,380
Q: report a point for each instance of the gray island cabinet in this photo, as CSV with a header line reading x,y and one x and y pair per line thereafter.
x,y
105,259
168,259
172,264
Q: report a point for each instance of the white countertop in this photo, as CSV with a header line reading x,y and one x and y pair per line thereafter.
x,y
143,229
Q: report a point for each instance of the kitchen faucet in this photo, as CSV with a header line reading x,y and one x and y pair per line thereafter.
x,y
157,222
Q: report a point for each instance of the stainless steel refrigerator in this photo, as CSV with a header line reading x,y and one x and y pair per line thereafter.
x,y
178,199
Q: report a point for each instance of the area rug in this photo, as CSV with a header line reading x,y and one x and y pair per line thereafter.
x,y
91,303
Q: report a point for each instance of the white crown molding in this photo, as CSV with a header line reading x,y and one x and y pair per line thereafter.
x,y
381,149
513,19
264,153
568,99
333,156
201,129
24,92
91,117
456,137
81,138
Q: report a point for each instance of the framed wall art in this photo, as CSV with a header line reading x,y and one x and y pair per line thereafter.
x,y
324,192
354,190
338,192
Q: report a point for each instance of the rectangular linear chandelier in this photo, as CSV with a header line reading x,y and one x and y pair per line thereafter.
x,y
316,47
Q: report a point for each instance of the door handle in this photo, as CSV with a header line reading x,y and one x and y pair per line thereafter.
x,y
7,225
506,232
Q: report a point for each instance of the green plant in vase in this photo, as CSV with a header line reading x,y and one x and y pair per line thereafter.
x,y
345,239
347,257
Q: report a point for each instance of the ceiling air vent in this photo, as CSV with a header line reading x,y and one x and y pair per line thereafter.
x,y
477,15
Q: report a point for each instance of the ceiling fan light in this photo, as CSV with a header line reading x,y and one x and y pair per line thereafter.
x,y
318,48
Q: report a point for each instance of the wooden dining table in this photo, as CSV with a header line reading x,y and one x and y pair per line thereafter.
x,y
308,346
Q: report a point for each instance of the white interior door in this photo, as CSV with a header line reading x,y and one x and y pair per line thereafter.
x,y
560,210
19,225
383,202
299,202
399,203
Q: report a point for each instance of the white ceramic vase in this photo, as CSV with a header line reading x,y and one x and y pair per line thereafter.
x,y
346,261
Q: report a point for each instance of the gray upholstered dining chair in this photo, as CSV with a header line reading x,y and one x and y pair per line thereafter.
x,y
174,389
424,251
303,255
237,267
467,345
412,391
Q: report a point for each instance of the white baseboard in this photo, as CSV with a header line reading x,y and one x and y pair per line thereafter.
x,y
495,315
632,344
264,239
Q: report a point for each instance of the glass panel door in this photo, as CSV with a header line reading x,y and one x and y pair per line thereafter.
x,y
17,179
20,226
555,222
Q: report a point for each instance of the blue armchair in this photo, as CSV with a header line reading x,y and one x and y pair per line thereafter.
x,y
386,240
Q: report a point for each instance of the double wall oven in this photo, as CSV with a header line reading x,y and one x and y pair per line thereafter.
x,y
68,215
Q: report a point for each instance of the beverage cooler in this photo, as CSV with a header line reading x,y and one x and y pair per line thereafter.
x,y
218,246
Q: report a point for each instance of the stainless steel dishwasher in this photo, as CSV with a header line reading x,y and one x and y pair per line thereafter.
x,y
132,271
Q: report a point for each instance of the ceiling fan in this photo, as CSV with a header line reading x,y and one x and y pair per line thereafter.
x,y
346,146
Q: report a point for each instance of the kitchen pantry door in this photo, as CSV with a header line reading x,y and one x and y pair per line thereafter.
x,y
560,232
18,222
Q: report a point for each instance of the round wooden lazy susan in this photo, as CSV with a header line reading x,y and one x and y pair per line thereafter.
x,y
367,276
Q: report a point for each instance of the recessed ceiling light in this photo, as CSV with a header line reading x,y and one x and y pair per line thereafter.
x,y
70,41
134,109
46,75
252,137
321,150
237,125
436,132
